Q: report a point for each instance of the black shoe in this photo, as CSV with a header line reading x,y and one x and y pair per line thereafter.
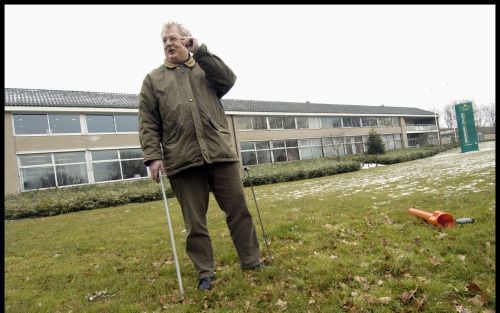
x,y
205,283
258,267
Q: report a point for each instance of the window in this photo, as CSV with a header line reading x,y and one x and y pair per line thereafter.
x,y
314,122
259,122
369,121
348,145
100,123
331,122
111,165
310,148
64,123
255,152
127,123
351,121
288,122
132,163
358,144
71,168
48,170
302,122
37,171
30,124
292,151
243,122
281,122
332,147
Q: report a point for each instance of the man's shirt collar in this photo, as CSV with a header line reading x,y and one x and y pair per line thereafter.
x,y
189,63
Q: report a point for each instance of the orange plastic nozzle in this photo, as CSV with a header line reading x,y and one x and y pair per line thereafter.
x,y
436,218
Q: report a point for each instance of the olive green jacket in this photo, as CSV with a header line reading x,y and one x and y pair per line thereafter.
x,y
180,109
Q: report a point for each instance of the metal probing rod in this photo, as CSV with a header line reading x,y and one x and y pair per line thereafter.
x,y
179,279
258,213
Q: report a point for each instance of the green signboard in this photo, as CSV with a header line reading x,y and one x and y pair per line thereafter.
x,y
466,127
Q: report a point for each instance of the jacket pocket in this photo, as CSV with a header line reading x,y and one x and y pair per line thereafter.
x,y
219,126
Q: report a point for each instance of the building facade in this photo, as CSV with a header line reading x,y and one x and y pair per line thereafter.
x,y
57,138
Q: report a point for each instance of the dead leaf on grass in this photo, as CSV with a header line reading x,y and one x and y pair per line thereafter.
x,y
434,260
461,257
462,309
408,295
282,304
384,300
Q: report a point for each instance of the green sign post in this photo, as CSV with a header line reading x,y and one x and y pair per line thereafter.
x,y
466,127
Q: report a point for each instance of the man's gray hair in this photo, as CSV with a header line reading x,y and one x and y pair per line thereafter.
x,y
183,31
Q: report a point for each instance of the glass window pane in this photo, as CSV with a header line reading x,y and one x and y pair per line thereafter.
x,y
316,142
291,143
104,155
131,154
304,142
365,121
30,124
38,177
263,156
329,151
359,148
134,169
327,141
326,122
317,152
358,139
261,145
289,122
69,157
302,122
105,171
71,174
248,158
35,159
279,155
292,154
243,122
127,123
249,145
336,122
64,123
275,122
259,122
356,122
278,144
100,123
395,121
348,148
347,121
305,153
314,122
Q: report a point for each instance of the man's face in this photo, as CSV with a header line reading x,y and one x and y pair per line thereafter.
x,y
173,46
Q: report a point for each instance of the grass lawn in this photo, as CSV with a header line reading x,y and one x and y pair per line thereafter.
x,y
342,243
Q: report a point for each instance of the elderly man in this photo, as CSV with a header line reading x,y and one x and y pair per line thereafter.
x,y
184,134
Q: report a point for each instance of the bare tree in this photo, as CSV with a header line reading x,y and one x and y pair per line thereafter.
x,y
449,115
490,115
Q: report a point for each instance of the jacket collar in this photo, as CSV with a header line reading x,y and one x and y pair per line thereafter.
x,y
189,63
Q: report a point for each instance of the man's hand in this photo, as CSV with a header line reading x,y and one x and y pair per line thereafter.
x,y
155,166
192,44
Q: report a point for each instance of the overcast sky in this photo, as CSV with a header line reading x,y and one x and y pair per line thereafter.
x,y
421,56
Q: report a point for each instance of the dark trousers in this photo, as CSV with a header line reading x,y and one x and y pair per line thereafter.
x,y
191,188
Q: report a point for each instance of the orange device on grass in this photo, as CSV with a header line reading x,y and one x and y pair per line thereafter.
x,y
436,218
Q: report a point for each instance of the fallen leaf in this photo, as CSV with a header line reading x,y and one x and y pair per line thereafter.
x,y
333,257
328,226
462,309
359,279
312,301
461,257
370,299
407,295
434,260
281,304
472,287
420,302
384,300
442,235
380,282
479,299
